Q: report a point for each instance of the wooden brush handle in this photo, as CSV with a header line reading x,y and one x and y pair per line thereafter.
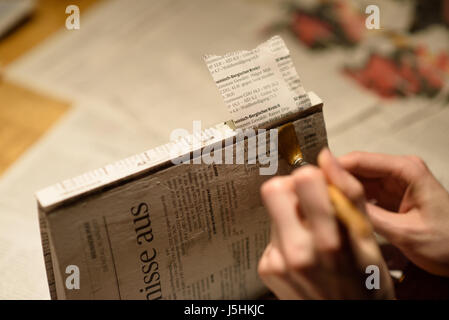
x,y
348,214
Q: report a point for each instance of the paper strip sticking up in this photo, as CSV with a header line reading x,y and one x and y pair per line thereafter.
x,y
258,86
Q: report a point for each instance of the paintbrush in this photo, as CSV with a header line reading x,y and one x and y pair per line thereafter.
x,y
346,212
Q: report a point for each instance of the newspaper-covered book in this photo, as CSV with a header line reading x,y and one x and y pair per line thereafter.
x,y
145,228
184,220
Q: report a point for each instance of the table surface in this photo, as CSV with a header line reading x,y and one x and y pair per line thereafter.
x,y
27,116
17,131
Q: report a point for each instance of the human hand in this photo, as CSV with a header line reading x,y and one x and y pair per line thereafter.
x,y
310,256
411,209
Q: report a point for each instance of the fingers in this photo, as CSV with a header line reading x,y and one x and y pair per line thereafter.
x,y
294,239
304,256
389,224
351,188
273,272
295,249
314,203
342,179
376,165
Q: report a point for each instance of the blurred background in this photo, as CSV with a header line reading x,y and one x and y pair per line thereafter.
x,y
75,100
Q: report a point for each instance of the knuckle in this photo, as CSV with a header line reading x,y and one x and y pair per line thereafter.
x,y
417,162
355,192
415,159
262,267
355,155
350,160
270,265
307,174
358,191
272,186
298,259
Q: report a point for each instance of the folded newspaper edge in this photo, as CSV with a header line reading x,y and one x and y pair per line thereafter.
x,y
137,164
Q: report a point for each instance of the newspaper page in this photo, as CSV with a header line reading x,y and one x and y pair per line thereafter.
x,y
189,231
260,85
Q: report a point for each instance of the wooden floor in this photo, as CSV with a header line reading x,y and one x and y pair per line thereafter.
x,y
26,115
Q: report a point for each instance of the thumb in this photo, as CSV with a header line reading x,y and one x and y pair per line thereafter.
x,y
389,224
